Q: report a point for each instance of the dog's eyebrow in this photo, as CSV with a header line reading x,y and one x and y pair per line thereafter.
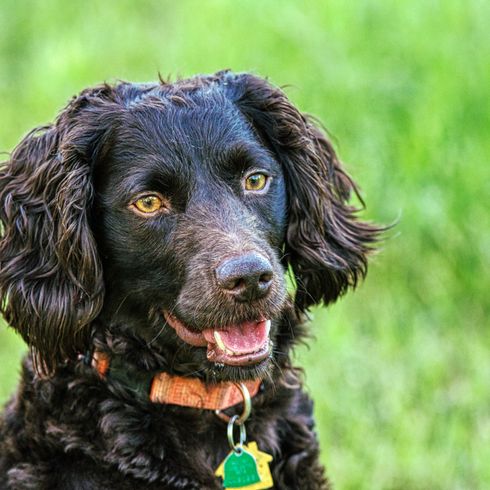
x,y
243,155
149,173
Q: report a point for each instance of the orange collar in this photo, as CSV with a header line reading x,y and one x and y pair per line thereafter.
x,y
187,392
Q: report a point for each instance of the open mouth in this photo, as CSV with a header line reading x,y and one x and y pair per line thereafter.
x,y
240,344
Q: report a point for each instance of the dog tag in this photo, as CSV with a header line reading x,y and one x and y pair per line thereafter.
x,y
247,469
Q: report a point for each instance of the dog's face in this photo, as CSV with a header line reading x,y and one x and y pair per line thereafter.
x,y
172,211
190,223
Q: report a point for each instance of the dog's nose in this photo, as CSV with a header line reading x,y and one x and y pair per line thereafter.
x,y
246,277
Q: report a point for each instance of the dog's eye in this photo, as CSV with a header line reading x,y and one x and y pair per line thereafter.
x,y
149,204
256,182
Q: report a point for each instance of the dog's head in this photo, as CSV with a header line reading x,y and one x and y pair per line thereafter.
x,y
174,211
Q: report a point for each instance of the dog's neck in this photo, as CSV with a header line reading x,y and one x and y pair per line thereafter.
x,y
162,387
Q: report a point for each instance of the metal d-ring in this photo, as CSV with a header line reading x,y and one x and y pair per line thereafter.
x,y
247,408
237,448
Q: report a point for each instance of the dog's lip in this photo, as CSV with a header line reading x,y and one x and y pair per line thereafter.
x,y
240,344
218,355
189,336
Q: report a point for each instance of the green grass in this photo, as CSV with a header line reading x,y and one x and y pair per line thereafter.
x,y
400,369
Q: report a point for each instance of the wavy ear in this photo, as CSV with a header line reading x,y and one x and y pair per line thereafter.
x,y
326,244
51,284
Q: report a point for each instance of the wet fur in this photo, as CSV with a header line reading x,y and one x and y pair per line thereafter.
x,y
79,270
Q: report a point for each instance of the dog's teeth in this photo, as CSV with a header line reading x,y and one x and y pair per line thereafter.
x,y
221,345
219,341
268,326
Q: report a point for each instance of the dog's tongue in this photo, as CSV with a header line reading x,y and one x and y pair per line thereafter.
x,y
243,338
242,344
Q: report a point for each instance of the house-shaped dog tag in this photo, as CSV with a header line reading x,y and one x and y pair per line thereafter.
x,y
246,470
240,470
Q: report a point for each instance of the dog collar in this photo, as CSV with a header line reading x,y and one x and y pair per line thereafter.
x,y
162,387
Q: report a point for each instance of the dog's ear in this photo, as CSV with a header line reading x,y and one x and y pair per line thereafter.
x,y
51,284
326,244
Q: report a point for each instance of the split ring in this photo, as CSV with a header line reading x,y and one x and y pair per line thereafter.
x,y
247,407
243,435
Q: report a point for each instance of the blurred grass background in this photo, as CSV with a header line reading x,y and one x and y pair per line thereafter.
x,y
399,370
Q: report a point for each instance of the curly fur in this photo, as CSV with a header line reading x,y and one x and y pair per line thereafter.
x,y
79,271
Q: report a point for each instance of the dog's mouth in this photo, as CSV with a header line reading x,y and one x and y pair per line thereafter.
x,y
241,344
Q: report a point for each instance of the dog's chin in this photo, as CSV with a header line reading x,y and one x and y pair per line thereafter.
x,y
216,372
238,352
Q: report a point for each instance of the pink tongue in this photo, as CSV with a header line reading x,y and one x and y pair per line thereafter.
x,y
242,338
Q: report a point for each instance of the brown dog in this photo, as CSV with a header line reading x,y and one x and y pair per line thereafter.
x,y
146,238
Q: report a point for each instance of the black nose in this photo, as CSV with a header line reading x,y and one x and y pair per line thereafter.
x,y
246,277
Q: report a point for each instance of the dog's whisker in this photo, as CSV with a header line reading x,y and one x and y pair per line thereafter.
x,y
160,331
162,328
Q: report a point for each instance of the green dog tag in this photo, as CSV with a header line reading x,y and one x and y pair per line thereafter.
x,y
240,470
247,470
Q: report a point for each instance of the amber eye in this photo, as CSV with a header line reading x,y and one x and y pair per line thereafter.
x,y
148,204
256,182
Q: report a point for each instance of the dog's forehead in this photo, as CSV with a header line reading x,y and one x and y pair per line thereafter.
x,y
207,132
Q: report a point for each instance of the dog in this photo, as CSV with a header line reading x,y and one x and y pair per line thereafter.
x,y
147,236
